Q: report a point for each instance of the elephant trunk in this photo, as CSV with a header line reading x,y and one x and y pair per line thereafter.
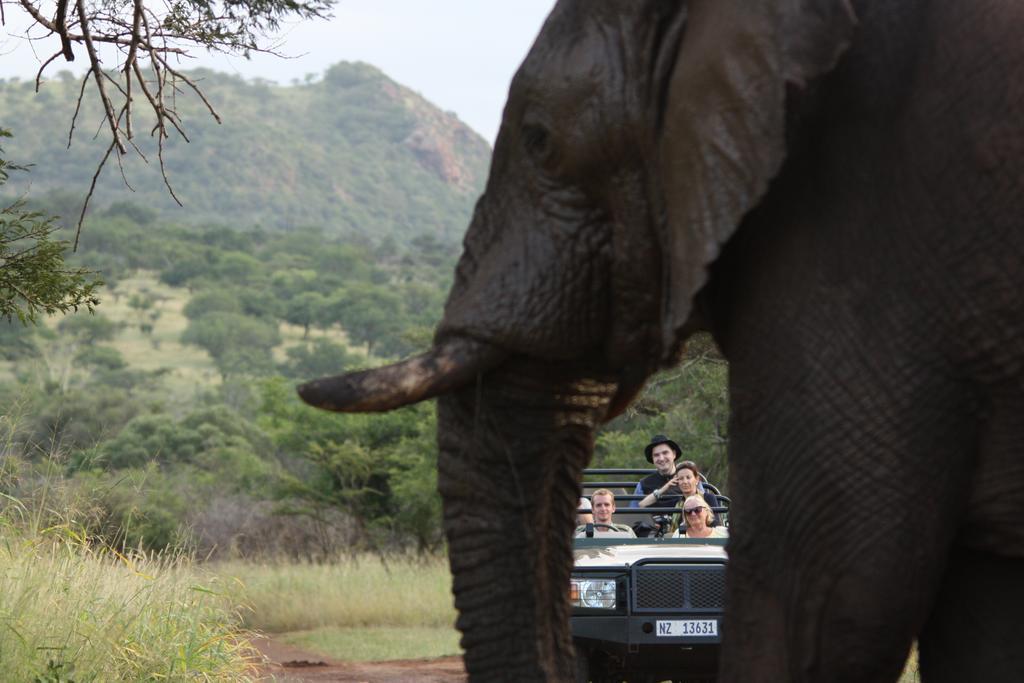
x,y
512,452
447,366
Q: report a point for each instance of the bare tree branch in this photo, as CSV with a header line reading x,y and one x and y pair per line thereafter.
x,y
146,35
39,74
195,88
128,61
88,196
78,107
133,46
62,30
97,71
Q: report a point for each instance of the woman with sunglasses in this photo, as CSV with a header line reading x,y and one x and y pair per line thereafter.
x,y
699,519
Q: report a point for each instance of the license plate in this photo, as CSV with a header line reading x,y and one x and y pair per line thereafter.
x,y
672,628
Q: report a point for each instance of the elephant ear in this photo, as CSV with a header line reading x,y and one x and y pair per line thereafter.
x,y
723,131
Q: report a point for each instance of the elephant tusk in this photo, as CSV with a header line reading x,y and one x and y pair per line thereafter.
x,y
444,368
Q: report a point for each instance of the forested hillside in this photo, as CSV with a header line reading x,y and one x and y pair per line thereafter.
x,y
353,153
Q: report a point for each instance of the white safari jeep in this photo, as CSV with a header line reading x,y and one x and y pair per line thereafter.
x,y
647,609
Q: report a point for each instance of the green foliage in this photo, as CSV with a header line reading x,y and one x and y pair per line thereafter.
x,y
135,213
217,300
237,343
235,266
319,358
76,419
88,329
33,276
235,25
17,341
132,508
144,439
689,403
341,477
372,314
307,309
205,437
102,357
354,462
413,482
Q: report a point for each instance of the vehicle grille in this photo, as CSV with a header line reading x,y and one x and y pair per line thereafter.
x,y
679,587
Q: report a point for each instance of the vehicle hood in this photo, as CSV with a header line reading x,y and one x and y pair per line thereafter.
x,y
592,553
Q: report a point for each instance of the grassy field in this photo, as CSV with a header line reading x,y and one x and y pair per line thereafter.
x,y
70,611
361,609
190,366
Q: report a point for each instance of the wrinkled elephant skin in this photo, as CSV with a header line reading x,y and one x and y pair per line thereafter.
x,y
836,192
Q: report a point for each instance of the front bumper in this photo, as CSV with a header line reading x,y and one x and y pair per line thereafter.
x,y
623,643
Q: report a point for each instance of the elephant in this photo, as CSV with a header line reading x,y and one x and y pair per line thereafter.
x,y
834,189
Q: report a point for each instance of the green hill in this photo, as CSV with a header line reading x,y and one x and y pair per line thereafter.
x,y
354,153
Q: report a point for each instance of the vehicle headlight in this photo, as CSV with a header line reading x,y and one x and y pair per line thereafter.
x,y
592,593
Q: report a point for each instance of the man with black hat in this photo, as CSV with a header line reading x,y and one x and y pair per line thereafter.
x,y
662,453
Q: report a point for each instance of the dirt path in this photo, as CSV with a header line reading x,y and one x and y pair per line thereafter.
x,y
290,664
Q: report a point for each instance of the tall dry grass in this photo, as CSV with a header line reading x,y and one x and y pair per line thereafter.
x,y
74,609
365,591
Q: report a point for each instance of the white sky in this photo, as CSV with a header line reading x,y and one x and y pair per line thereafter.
x,y
459,54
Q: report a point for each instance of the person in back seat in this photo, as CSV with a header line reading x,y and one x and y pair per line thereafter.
x,y
662,453
583,514
699,519
602,504
687,480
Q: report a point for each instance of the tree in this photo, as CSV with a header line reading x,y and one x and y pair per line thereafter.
x,y
33,276
352,462
89,329
370,314
148,40
317,359
163,439
217,300
18,342
236,342
140,215
236,266
305,310
142,302
101,357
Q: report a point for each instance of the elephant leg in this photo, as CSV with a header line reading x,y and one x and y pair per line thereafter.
x,y
510,463
827,591
839,463
974,632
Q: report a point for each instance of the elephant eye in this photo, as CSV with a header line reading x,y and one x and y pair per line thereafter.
x,y
536,141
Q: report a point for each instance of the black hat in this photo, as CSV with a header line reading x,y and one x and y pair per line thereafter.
x,y
660,439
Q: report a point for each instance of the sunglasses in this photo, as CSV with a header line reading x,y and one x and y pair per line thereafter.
x,y
693,511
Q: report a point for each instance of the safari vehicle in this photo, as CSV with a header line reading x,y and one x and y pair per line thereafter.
x,y
646,609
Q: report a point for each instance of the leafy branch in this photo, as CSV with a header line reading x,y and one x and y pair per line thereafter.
x,y
33,276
